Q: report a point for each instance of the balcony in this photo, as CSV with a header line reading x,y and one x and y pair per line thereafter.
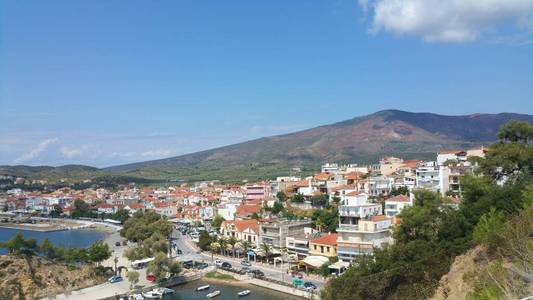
x,y
347,227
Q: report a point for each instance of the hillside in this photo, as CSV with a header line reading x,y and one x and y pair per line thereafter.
x,y
37,277
361,140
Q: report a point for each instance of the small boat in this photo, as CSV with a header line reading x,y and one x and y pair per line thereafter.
x,y
151,295
203,287
165,291
244,293
136,297
213,294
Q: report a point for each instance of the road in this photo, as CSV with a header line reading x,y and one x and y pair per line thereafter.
x,y
191,252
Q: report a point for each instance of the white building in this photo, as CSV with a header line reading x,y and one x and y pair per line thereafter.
x,y
456,155
361,238
428,176
394,205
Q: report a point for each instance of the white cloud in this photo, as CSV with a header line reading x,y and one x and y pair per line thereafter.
x,y
83,151
36,152
448,20
156,153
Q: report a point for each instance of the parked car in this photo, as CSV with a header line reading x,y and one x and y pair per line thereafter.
x,y
246,263
258,273
150,277
226,265
201,265
218,263
114,279
309,286
188,264
117,244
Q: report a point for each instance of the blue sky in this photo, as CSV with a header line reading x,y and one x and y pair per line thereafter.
x,y
109,82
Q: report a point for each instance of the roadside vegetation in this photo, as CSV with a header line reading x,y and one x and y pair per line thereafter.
x,y
495,212
219,276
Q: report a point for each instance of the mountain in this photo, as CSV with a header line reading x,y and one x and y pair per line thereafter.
x,y
361,140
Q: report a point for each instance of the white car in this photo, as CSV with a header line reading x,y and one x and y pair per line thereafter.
x,y
218,263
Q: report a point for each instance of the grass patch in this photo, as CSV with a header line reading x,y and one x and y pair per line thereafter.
x,y
220,276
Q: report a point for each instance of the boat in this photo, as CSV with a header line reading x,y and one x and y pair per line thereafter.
x,y
163,291
203,287
244,293
213,294
136,297
153,294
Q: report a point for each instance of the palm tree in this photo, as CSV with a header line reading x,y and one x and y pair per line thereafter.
x,y
232,241
223,245
267,249
213,247
246,245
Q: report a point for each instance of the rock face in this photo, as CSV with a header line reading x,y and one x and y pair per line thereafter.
x,y
37,277
452,286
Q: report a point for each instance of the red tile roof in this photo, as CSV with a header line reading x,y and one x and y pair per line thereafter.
x,y
399,198
328,239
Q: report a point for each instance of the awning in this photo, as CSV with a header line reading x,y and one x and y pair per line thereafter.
x,y
339,265
315,261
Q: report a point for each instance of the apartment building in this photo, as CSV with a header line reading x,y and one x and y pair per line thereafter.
x,y
275,232
361,238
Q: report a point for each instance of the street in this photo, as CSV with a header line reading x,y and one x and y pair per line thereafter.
x,y
191,252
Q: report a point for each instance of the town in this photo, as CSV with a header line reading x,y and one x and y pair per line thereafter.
x,y
309,228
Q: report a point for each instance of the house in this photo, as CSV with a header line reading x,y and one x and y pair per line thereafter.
x,y
325,245
134,207
453,155
389,165
428,176
248,209
166,209
242,230
379,186
257,191
107,208
395,204
298,244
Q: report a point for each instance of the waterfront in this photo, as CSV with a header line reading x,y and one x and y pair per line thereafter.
x,y
65,238
228,290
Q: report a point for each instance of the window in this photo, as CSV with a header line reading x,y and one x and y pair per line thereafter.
x,y
315,247
321,249
327,249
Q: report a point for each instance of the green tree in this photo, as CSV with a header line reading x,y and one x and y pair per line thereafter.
x,y
47,248
162,266
217,221
267,250
277,207
516,132
133,278
488,230
232,241
143,225
17,245
204,240
57,211
121,215
281,196
403,190
319,200
98,252
81,209
297,198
